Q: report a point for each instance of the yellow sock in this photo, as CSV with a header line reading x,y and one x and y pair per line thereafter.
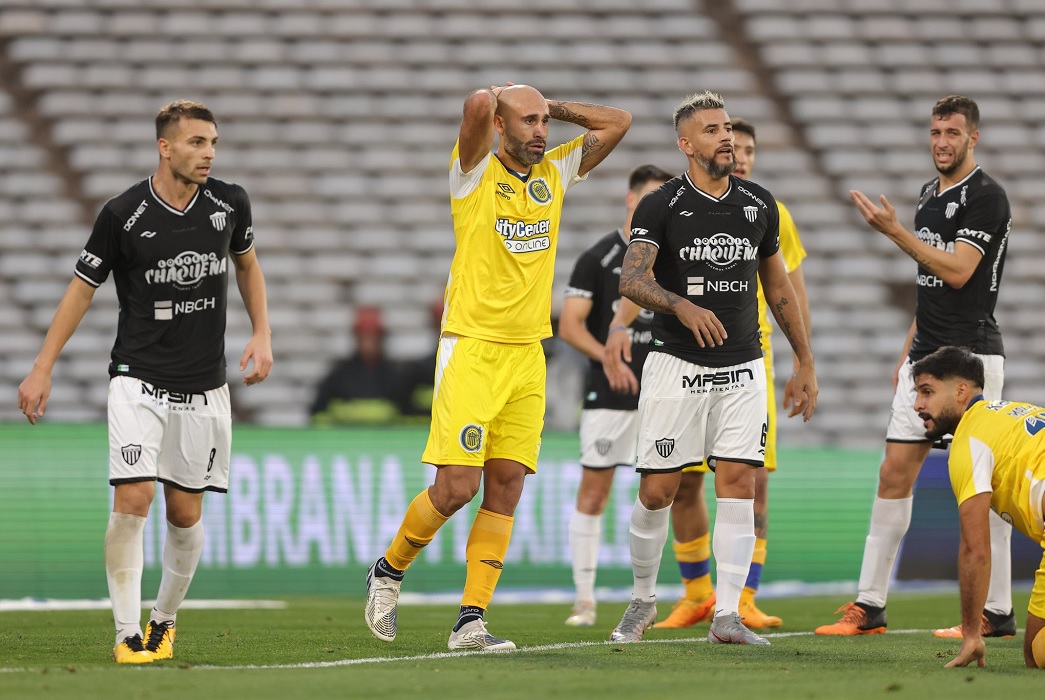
x,y
487,545
420,524
754,574
694,558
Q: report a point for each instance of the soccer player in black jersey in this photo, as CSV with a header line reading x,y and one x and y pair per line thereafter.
x,y
699,245
609,419
961,228
167,241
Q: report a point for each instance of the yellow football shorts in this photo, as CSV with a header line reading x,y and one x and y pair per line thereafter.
x,y
770,461
488,403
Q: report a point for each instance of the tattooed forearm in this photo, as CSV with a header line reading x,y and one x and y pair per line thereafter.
x,y
637,282
783,310
563,112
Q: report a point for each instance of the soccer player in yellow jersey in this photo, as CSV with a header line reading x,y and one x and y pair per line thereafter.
x,y
488,407
997,463
689,512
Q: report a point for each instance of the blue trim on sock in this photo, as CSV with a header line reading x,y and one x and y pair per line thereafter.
x,y
695,569
754,576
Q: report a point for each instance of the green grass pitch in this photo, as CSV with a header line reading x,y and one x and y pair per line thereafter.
x,y
320,647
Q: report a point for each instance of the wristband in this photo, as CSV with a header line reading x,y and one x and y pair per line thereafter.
x,y
618,328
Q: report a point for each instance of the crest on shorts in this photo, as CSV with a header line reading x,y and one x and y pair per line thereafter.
x,y
131,453
951,208
665,446
471,438
602,446
751,213
217,220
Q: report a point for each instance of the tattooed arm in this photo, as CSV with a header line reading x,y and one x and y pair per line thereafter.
x,y
606,127
638,284
954,269
784,303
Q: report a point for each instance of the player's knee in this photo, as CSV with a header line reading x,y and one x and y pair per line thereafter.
x,y
896,478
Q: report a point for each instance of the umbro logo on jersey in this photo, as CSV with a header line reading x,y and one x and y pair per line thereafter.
x,y
751,213
148,234
217,220
685,213
506,188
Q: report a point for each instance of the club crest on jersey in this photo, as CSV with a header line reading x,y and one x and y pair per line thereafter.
x,y
539,191
471,438
751,213
665,446
952,207
131,453
603,445
1033,424
217,220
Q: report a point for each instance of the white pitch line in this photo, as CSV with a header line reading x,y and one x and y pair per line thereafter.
x,y
437,656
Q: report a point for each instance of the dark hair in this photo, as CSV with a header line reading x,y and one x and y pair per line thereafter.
x,y
745,127
958,104
170,114
950,362
696,103
646,173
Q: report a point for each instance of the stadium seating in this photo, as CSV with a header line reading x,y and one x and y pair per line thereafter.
x,y
338,117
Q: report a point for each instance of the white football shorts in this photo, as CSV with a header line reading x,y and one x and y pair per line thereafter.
x,y
177,438
687,411
904,423
608,438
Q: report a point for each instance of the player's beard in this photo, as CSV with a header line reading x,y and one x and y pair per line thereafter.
x,y
517,149
714,169
959,160
944,423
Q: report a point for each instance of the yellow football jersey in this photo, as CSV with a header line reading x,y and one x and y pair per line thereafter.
x,y
999,448
793,252
507,228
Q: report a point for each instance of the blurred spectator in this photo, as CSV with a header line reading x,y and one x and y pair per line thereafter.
x,y
421,372
366,388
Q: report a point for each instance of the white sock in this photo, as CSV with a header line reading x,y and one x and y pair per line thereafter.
x,y
733,543
124,560
585,535
649,533
181,554
999,593
890,519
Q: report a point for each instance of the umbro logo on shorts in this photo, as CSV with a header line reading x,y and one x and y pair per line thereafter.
x,y
131,453
665,446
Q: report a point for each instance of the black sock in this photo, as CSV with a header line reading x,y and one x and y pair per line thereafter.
x,y
468,613
870,609
385,570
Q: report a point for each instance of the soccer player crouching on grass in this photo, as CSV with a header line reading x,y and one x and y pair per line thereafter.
x,y
997,462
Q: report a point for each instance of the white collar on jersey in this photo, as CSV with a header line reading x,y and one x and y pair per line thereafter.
x,y
711,197
168,207
957,184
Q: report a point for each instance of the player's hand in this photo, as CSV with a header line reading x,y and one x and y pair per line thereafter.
x,y
805,393
33,393
496,89
972,649
704,324
881,218
616,353
790,395
896,372
259,349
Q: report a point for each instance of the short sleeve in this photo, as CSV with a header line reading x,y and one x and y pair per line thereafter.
x,y
985,217
649,223
585,278
243,234
100,252
771,241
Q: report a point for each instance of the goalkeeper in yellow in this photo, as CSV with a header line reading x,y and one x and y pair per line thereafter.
x,y
997,462
488,405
